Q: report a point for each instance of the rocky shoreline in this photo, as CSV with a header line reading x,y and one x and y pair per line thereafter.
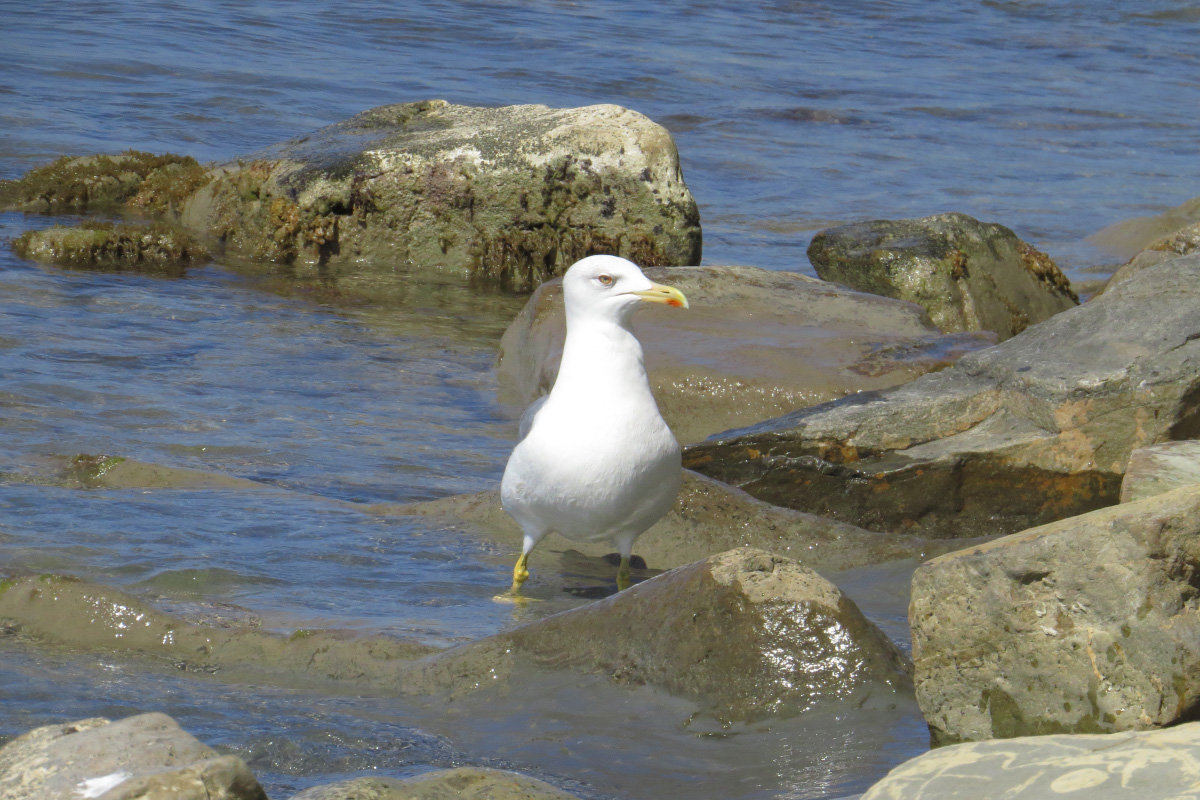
x,y
1037,454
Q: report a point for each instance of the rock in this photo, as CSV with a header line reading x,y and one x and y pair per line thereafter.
x,y
156,248
132,181
1126,238
968,275
744,635
1149,765
753,345
708,518
1085,625
510,196
147,757
1180,243
1161,468
462,783
64,610
1037,428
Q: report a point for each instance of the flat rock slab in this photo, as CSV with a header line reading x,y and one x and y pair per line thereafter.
x,y
147,757
1037,428
754,344
1086,625
462,783
1161,468
509,196
969,275
744,635
1151,765
708,518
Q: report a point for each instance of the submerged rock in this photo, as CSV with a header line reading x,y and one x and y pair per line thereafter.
x,y
462,783
510,196
131,181
754,344
155,248
1086,625
708,518
1180,243
1037,428
1128,237
744,635
147,757
967,274
1161,468
1151,765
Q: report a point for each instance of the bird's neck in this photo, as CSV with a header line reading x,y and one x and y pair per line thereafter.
x,y
600,357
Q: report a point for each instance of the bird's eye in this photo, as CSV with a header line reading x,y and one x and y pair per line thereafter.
x,y
605,280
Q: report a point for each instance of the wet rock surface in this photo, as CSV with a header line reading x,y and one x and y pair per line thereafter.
x,y
708,518
1161,468
155,248
969,275
148,757
754,344
509,196
1086,625
1037,428
744,635
1148,765
462,783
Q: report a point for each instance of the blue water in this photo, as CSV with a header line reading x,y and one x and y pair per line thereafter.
x,y
1055,119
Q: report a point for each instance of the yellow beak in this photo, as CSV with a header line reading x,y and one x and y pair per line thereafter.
x,y
657,293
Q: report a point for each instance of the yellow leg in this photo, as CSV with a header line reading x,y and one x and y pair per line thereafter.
x,y
623,581
520,573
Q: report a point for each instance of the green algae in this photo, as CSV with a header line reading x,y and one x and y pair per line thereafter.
x,y
155,248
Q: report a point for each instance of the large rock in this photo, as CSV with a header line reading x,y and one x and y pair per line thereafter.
x,y
510,196
967,274
147,757
1086,625
1037,428
1150,765
744,635
708,518
1161,468
754,344
461,783
1179,243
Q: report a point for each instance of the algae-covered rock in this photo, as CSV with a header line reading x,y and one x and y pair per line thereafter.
x,y
155,248
153,184
1148,765
967,274
1037,428
144,757
753,345
708,518
1086,625
510,196
461,783
744,635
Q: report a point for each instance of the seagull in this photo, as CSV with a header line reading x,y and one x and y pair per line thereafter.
x,y
595,461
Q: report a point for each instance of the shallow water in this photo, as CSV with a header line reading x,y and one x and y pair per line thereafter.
x,y
1055,119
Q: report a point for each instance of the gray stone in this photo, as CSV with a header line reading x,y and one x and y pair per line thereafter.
x,y
461,783
1085,625
967,274
147,757
509,196
1149,765
708,518
753,345
1161,468
1037,428
744,635
1182,242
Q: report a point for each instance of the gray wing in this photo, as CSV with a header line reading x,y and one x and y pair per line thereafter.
x,y
528,417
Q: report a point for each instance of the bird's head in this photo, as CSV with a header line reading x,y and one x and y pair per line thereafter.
x,y
611,287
